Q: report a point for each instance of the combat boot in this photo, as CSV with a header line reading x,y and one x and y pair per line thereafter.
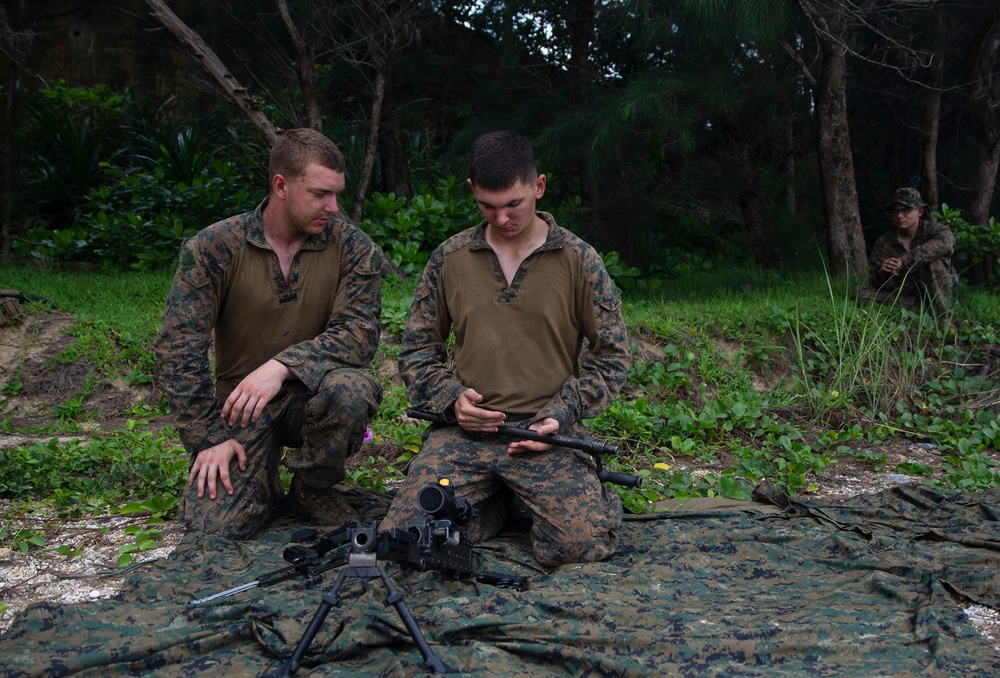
x,y
324,505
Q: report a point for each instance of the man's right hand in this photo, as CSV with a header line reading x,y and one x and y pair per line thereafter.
x,y
212,465
473,418
892,265
247,401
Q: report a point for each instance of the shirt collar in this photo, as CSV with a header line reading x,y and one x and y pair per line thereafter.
x,y
554,239
255,231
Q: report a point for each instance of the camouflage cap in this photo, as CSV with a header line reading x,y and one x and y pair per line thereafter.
x,y
906,196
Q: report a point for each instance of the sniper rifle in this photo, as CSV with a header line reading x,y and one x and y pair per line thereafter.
x,y
433,543
428,544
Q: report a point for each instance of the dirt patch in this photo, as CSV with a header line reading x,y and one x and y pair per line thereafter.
x,y
36,382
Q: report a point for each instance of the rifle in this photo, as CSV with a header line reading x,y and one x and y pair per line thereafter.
x,y
427,544
594,448
433,543
325,555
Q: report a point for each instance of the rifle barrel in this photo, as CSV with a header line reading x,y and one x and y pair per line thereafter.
x,y
228,592
585,444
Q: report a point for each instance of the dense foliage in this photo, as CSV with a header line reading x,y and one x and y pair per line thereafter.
x,y
669,130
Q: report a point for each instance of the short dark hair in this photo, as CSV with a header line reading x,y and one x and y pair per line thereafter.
x,y
297,148
501,159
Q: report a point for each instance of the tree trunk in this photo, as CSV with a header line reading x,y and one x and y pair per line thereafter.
x,y
304,63
763,254
987,161
213,64
789,162
15,45
580,23
394,153
845,238
368,166
980,66
932,115
6,147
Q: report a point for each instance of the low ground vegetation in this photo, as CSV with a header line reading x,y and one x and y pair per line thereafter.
x,y
739,377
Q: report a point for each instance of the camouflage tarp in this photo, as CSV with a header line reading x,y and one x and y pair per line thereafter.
x,y
870,586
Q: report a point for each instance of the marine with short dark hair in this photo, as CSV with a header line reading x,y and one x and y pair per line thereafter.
x,y
290,296
539,343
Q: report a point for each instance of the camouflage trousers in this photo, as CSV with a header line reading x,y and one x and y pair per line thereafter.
x,y
322,428
931,284
573,517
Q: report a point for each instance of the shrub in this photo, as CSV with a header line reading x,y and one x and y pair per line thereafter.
x,y
973,241
409,232
140,220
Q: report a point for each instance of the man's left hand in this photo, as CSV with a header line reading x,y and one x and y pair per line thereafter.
x,y
544,427
247,401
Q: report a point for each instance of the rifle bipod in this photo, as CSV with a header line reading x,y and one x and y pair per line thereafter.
x,y
362,564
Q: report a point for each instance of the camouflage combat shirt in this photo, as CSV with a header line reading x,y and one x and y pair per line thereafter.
x,y
325,316
521,346
932,241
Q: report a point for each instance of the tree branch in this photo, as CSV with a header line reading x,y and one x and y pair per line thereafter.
x,y
797,58
213,64
304,67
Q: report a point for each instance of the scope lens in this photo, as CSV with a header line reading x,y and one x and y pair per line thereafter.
x,y
434,500
441,503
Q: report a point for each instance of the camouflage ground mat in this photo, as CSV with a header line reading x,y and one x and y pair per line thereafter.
x,y
869,586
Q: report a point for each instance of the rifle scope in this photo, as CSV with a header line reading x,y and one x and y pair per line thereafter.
x,y
439,501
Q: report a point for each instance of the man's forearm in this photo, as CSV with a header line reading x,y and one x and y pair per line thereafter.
x,y
939,246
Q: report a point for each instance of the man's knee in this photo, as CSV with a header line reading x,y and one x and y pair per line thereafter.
x,y
349,395
204,515
582,532
332,424
939,282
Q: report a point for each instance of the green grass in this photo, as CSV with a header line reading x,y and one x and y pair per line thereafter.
x,y
127,302
116,314
768,376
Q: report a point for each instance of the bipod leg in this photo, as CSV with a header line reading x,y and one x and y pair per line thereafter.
x,y
395,598
363,566
330,601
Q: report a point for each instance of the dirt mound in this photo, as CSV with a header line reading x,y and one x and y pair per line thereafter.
x,y
39,388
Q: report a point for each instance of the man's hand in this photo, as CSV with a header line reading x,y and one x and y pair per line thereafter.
x,y
892,265
473,418
542,426
212,464
247,401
